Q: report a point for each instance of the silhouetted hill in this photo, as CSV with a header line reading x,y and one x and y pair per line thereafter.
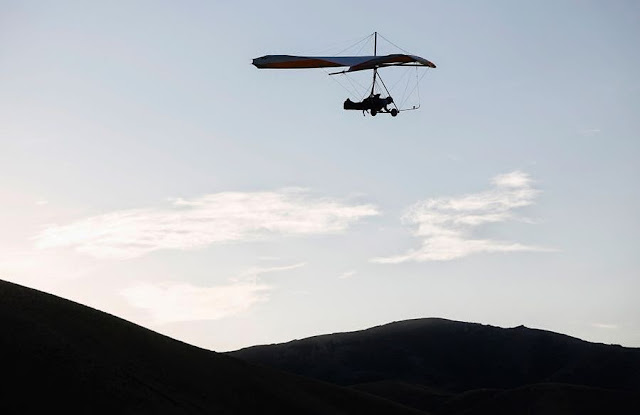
x,y
428,362
414,395
542,399
60,356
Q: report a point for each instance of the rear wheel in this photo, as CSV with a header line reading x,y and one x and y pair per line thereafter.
x,y
374,112
394,112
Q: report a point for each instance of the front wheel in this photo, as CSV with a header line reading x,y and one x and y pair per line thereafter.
x,y
374,112
394,112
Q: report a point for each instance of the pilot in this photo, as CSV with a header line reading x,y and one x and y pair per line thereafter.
x,y
380,103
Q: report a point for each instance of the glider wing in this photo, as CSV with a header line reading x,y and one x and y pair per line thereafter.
x,y
355,63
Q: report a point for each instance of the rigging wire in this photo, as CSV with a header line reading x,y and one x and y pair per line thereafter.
x,y
405,51
404,93
353,93
388,94
368,43
398,81
357,91
366,39
352,80
356,87
416,87
330,48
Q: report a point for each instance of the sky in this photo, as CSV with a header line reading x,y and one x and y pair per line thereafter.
x,y
148,170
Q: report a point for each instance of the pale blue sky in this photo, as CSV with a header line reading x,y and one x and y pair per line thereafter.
x,y
149,170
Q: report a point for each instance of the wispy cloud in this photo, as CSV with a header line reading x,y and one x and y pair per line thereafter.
x,y
445,224
171,301
347,274
254,272
589,132
269,258
213,218
605,326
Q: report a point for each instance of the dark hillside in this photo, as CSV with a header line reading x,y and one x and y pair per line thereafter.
x,y
452,356
543,399
60,356
411,394
452,367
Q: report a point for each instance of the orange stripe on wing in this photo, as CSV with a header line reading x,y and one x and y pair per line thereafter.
x,y
302,64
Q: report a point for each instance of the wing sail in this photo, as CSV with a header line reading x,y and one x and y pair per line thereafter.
x,y
355,63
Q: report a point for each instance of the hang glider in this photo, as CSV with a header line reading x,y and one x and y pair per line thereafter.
x,y
355,63
373,103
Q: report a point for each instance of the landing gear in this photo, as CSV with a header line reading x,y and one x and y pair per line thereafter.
x,y
394,112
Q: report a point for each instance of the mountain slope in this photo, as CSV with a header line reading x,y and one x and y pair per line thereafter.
x,y
59,355
453,356
542,399
454,367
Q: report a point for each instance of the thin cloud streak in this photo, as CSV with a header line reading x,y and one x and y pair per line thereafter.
x,y
445,224
254,272
214,218
172,301
605,326
347,274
